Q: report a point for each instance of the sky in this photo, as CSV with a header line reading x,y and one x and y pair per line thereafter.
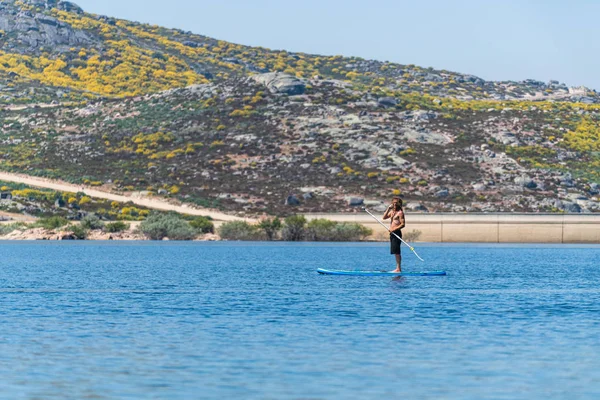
x,y
493,39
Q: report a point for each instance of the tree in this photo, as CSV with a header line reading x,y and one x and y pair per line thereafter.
x,y
294,229
270,226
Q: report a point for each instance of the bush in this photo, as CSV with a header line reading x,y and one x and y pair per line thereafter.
x,y
294,228
51,223
239,230
351,232
78,231
412,236
203,225
271,226
91,222
321,230
115,227
6,229
160,226
330,231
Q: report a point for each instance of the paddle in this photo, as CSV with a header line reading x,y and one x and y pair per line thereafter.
x,y
381,223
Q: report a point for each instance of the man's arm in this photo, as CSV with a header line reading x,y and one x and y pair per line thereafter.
x,y
388,213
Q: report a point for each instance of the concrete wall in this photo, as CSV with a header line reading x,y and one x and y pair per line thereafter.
x,y
489,228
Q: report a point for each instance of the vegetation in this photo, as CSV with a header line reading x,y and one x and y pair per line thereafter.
x,y
91,222
171,226
116,227
51,223
202,225
240,230
271,227
294,229
331,231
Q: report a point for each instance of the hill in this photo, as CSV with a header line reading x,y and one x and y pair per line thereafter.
x,y
132,107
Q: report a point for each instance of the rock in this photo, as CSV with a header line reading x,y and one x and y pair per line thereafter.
x,y
479,187
569,207
355,201
335,170
308,196
372,203
292,201
525,181
414,206
567,180
278,82
442,193
163,192
379,208
189,43
594,189
69,7
387,102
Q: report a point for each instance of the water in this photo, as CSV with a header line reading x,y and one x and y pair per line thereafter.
x,y
255,321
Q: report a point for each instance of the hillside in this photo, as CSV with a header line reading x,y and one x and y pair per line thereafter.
x,y
106,102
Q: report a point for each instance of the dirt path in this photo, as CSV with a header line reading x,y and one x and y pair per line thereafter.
x,y
152,203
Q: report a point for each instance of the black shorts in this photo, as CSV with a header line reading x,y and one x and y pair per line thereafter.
x,y
395,242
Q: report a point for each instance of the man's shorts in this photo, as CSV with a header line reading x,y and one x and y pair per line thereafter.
x,y
395,242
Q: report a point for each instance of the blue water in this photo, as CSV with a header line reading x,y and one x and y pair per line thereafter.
x,y
255,321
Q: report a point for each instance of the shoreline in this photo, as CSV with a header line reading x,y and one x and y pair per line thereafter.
x,y
424,228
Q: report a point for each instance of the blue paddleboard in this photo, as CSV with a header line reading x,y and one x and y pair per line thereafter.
x,y
379,273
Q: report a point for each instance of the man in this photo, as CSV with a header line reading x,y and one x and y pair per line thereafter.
x,y
396,214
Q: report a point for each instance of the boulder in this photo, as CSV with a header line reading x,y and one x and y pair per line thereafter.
x,y
569,207
415,206
387,102
525,181
355,201
441,194
292,201
69,7
278,82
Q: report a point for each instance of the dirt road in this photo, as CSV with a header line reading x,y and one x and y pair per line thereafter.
x,y
150,202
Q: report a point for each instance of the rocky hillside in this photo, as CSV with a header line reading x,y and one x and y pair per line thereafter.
x,y
132,107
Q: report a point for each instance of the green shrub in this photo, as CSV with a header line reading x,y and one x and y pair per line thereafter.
x,y
78,231
330,231
92,222
160,226
412,236
320,230
6,229
351,232
203,225
239,230
270,226
294,228
115,227
51,223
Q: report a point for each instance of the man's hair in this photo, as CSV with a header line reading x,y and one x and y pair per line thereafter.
x,y
399,200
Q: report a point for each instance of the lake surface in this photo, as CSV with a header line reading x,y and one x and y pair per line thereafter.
x,y
255,321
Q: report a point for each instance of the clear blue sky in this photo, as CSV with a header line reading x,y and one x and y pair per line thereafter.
x,y
494,39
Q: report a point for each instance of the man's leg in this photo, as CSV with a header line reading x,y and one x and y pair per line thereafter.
x,y
398,263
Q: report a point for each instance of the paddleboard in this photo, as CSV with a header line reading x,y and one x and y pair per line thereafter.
x,y
379,273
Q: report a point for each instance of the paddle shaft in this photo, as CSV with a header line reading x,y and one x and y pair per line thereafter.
x,y
393,233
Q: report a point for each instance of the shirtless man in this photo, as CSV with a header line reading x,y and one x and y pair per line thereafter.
x,y
396,214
